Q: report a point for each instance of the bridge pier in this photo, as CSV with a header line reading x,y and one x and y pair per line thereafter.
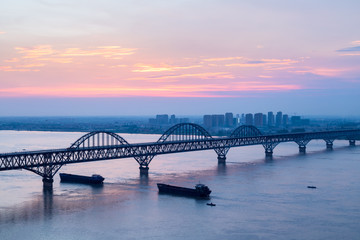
x,y
221,159
302,149
268,153
269,147
352,142
47,182
329,143
302,144
144,170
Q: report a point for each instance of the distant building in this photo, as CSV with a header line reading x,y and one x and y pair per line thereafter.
x,y
278,119
172,119
162,119
285,120
264,120
237,119
218,120
182,120
295,120
229,119
270,119
207,121
258,119
242,119
249,120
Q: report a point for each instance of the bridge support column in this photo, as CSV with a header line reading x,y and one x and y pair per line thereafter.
x,y
144,170
302,145
221,152
302,149
269,147
268,153
329,143
352,142
221,159
47,182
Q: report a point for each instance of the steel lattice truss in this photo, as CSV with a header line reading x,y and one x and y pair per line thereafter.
x,y
47,162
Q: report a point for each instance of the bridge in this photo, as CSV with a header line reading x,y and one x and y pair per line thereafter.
x,y
184,137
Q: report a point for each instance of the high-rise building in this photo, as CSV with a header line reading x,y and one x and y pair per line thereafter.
x,y
218,120
264,120
229,119
296,120
162,119
258,119
207,121
270,119
249,120
172,119
242,119
285,120
278,119
237,120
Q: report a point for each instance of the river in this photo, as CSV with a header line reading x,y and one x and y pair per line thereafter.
x,y
255,197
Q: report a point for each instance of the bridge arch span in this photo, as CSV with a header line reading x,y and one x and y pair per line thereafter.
x,y
246,131
178,132
98,139
242,131
184,132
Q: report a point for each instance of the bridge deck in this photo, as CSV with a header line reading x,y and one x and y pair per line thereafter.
x,y
51,157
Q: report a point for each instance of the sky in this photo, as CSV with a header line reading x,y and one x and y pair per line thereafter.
x,y
141,57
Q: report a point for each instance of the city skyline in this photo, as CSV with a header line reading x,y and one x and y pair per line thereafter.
x,y
141,58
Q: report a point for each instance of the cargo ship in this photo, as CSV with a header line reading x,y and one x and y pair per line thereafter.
x,y
94,179
200,190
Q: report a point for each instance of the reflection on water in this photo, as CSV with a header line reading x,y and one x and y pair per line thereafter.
x,y
221,168
48,202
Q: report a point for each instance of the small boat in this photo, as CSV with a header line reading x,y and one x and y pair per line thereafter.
x,y
311,186
200,190
211,204
94,179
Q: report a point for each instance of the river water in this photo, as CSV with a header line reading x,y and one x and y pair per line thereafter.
x,y
255,197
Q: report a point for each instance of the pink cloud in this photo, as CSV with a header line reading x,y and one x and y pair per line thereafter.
x,y
327,72
222,59
161,68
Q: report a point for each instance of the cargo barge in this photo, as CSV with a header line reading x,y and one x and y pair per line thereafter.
x,y
94,179
200,190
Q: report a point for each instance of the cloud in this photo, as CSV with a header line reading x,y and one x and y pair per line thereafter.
x,y
350,54
350,49
41,55
22,68
112,52
12,60
264,76
263,62
162,68
222,59
2,32
36,52
327,72
208,75
48,53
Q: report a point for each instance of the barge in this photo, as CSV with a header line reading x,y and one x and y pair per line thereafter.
x,y
94,179
200,190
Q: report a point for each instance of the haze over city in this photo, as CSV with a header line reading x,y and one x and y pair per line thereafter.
x,y
183,57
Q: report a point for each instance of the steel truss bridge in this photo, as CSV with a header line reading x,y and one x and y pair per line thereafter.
x,y
184,137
